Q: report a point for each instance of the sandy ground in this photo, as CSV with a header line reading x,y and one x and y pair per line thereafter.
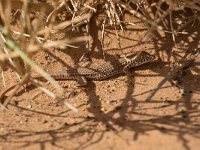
x,y
113,114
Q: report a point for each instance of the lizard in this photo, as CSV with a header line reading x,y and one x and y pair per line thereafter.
x,y
101,72
106,70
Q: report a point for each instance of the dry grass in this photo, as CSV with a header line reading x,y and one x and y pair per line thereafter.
x,y
38,20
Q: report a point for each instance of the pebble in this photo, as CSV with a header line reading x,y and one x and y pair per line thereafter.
x,y
29,106
103,109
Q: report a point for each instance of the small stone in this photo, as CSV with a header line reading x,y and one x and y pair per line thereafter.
x,y
108,102
29,106
103,109
20,121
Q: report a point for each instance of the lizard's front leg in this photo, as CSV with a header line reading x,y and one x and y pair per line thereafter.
x,y
129,65
127,71
80,81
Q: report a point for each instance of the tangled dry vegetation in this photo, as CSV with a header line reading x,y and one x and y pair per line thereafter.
x,y
39,20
